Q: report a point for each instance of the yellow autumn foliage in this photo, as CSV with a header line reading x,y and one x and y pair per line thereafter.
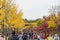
x,y
8,13
2,14
51,24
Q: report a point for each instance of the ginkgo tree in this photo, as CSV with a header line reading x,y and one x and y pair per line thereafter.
x,y
9,16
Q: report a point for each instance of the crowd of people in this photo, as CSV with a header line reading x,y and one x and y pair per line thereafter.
x,y
30,36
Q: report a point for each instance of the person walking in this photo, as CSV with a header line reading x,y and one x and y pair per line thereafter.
x,y
25,36
20,36
13,36
31,35
39,37
49,37
2,37
35,36
44,37
56,37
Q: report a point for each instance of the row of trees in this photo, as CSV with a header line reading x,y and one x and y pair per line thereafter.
x,y
50,24
10,19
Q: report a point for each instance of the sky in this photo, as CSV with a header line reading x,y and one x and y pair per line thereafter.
x,y
34,9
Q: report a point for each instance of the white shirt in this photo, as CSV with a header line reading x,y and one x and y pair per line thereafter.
x,y
56,37
1,38
38,36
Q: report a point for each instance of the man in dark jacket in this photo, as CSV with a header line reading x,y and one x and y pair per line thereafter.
x,y
31,36
13,36
25,36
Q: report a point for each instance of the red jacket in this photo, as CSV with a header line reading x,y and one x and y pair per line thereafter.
x,y
44,37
